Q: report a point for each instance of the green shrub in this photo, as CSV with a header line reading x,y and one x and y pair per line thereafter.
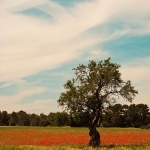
x,y
148,126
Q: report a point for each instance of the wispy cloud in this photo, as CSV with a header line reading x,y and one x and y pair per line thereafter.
x,y
39,106
30,44
17,102
137,70
5,100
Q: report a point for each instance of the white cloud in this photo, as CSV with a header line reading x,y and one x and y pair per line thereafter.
x,y
29,45
8,100
39,106
138,72
144,94
20,100
16,103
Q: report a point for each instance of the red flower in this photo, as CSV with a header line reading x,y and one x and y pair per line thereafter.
x,y
49,138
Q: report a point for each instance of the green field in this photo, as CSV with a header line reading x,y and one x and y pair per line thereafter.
x,y
111,147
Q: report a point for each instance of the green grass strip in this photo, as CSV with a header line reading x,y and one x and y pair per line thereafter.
x,y
71,147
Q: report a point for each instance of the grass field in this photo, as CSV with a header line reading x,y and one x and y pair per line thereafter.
x,y
63,138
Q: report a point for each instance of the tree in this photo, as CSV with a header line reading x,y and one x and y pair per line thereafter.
x,y
116,118
124,116
34,120
142,112
13,121
23,118
5,118
96,85
52,119
61,119
1,119
78,120
44,120
137,115
107,115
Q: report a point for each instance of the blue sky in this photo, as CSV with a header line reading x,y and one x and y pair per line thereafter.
x,y
41,41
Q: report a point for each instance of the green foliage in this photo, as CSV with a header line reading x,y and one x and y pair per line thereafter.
x,y
23,118
4,118
44,120
52,118
12,122
1,123
34,120
62,119
113,116
95,86
146,126
126,116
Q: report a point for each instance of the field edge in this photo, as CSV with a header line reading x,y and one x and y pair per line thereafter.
x,y
73,147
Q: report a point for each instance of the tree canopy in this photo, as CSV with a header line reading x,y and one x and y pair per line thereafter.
x,y
96,85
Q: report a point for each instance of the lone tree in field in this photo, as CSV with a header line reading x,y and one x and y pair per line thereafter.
x,y
95,86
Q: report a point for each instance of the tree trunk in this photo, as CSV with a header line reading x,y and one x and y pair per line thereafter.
x,y
93,133
94,136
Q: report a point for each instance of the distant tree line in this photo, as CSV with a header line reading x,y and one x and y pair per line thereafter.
x,y
126,116
119,116
21,118
113,116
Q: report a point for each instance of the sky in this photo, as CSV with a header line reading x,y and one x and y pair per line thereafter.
x,y
42,40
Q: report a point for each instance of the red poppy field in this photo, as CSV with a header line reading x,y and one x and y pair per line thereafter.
x,y
76,136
